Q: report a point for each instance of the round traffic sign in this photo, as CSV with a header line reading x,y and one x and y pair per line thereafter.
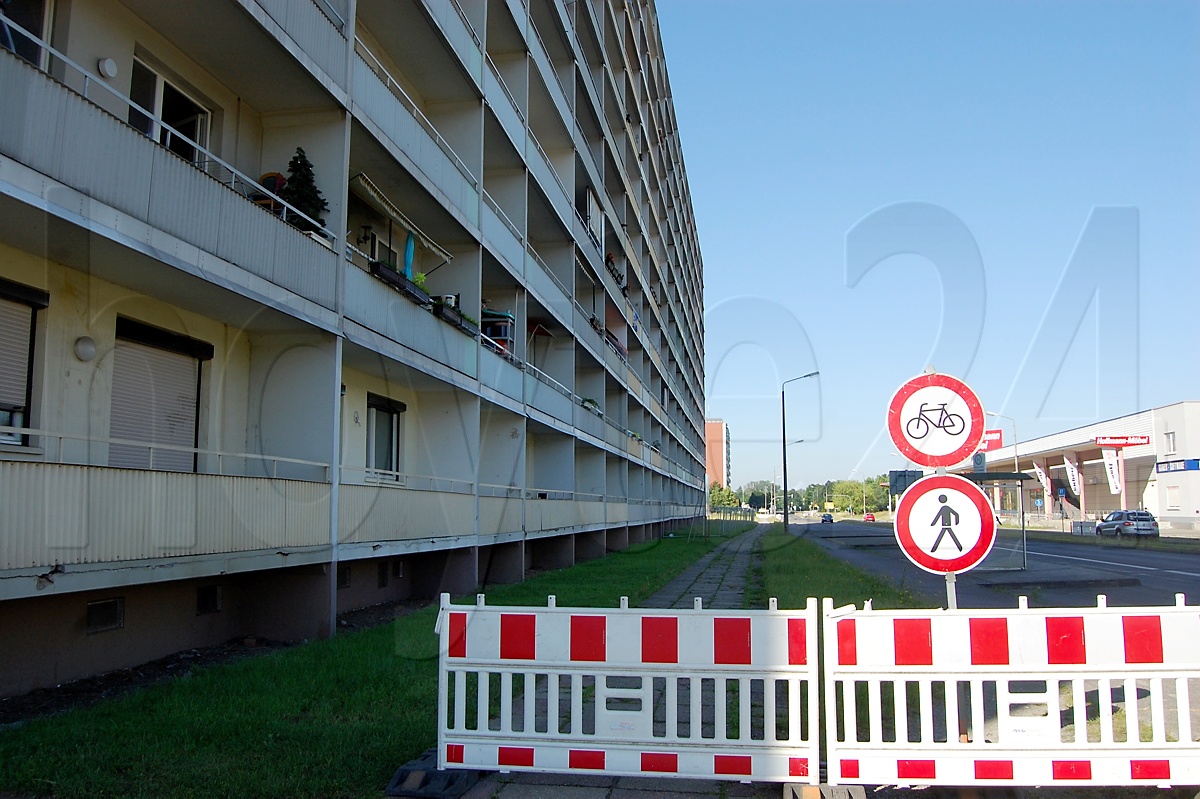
x,y
945,524
935,420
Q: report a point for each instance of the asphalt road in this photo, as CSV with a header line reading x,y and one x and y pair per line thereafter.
x,y
1056,574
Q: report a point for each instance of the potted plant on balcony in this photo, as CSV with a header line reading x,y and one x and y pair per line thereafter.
x,y
592,405
301,192
447,308
412,289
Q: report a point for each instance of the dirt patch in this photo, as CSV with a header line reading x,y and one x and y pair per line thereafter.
x,y
90,690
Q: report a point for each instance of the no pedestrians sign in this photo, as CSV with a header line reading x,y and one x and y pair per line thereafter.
x,y
945,524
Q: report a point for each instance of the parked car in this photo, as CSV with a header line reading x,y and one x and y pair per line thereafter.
x,y
826,517
1128,522
868,517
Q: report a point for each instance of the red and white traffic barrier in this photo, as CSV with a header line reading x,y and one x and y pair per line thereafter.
x,y
688,693
1091,696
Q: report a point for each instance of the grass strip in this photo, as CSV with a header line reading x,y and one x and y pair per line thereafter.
x,y
793,569
329,718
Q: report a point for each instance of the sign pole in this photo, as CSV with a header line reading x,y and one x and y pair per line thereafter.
x,y
951,588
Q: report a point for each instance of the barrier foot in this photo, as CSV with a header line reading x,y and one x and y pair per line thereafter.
x,y
422,778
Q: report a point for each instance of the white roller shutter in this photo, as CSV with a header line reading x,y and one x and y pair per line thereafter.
x,y
15,323
153,401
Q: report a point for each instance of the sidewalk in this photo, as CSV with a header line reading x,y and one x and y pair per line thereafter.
x,y
720,580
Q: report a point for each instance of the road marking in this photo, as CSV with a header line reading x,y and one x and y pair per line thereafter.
x,y
1111,563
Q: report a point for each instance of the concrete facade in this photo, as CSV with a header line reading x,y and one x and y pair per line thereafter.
x,y
480,355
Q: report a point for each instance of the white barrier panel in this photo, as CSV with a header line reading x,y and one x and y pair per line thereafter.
x,y
687,693
1088,696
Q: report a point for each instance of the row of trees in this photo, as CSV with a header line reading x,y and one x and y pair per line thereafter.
x,y
851,496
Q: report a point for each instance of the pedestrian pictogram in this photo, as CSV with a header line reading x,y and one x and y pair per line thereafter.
x,y
936,420
945,524
947,517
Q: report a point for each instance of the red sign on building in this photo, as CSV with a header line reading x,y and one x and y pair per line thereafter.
x,y
992,439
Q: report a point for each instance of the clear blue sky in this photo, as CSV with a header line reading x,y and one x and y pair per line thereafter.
x,y
979,134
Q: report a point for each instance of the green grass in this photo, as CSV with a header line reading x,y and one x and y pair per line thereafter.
x,y
329,718
794,569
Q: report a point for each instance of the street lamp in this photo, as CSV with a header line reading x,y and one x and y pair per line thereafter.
x,y
1016,466
783,438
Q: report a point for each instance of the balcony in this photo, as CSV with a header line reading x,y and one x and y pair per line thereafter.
x,y
378,306
206,204
413,137
63,514
409,509
548,395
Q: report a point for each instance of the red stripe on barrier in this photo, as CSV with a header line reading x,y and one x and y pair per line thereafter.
x,y
1143,639
849,769
993,769
515,756
662,762
797,766
847,645
797,642
1072,769
454,753
732,764
731,642
1150,769
913,641
586,758
989,642
518,636
660,639
457,647
1064,640
916,769
588,638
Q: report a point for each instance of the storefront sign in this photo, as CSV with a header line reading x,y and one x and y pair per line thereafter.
x,y
1121,441
1112,468
1190,465
992,439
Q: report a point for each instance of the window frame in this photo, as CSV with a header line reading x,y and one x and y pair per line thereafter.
x,y
154,121
1169,442
394,410
36,300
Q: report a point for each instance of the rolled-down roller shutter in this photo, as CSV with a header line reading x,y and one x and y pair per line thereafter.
x,y
155,401
16,327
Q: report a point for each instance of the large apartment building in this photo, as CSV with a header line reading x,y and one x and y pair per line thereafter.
x,y
244,389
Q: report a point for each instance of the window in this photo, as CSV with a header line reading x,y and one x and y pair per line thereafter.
x,y
343,577
1173,501
18,316
106,614
155,398
175,117
1169,442
208,600
35,16
383,574
385,437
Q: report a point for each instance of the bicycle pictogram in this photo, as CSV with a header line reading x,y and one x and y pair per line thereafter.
x,y
919,426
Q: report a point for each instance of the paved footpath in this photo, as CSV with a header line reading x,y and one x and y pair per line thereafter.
x,y
719,578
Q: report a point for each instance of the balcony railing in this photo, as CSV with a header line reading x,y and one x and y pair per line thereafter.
x,y
205,160
376,66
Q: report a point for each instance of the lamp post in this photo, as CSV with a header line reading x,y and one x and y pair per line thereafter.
x,y
1016,467
783,438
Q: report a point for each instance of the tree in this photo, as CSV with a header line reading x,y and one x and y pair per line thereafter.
x,y
758,500
301,192
721,497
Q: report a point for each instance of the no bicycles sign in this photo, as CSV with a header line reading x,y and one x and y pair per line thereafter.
x,y
935,420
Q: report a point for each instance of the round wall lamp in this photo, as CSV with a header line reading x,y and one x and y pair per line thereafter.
x,y
85,348
107,67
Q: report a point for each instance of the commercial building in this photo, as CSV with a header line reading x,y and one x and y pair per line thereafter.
x,y
1148,460
717,451
307,305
